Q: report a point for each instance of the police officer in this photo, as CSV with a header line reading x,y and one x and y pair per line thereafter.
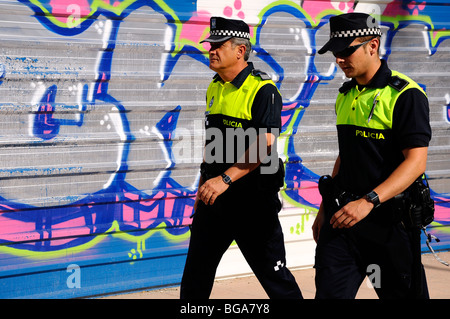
x,y
383,133
237,198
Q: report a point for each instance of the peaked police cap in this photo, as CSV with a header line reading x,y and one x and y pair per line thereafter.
x,y
347,27
222,29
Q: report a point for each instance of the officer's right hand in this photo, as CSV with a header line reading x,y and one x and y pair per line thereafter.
x,y
211,189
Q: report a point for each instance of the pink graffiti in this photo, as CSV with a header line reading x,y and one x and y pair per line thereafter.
x,y
309,190
228,11
414,7
441,212
286,117
315,7
63,10
396,8
194,29
135,212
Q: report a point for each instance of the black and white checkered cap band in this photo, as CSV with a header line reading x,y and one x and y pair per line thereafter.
x,y
231,33
356,33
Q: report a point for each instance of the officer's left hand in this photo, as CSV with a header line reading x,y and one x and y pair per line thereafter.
x,y
351,213
211,189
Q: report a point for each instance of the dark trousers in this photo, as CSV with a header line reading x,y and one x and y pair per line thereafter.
x,y
255,227
386,253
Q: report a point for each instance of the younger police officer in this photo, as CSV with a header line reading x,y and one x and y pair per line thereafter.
x,y
237,198
383,134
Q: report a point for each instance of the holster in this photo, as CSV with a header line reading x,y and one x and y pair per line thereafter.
x,y
333,198
419,213
420,205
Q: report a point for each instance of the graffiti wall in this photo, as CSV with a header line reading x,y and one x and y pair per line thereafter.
x,y
101,129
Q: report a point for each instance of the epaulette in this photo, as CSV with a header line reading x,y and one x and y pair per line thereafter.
x,y
261,74
398,83
347,86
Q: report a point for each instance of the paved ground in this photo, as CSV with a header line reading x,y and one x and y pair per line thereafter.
x,y
248,287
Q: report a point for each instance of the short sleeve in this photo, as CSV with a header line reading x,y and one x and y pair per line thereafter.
x,y
266,108
411,120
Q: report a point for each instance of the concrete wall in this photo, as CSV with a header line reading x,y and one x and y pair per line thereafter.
x,y
101,129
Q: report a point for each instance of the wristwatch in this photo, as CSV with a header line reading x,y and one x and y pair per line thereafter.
x,y
226,179
373,198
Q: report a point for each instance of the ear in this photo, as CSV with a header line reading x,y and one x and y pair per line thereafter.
x,y
241,51
374,45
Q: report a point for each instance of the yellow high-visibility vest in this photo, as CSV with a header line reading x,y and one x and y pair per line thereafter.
x,y
372,108
235,104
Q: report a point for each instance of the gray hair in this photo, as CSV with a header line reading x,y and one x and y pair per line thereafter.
x,y
241,41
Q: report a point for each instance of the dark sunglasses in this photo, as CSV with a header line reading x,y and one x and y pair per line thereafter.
x,y
350,50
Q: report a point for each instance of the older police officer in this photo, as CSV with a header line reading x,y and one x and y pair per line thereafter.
x,y
237,198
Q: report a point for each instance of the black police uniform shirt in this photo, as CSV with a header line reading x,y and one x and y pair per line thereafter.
x,y
263,115
369,156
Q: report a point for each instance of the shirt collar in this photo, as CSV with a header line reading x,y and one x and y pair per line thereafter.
x,y
240,78
379,80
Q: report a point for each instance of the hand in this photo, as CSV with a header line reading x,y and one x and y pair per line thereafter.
x,y
211,189
351,213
